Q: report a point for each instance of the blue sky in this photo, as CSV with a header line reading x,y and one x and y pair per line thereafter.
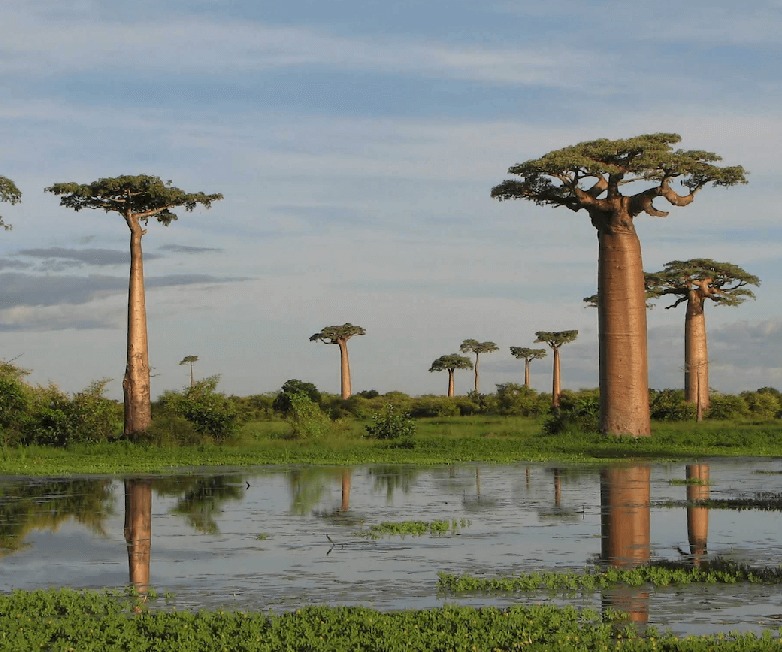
x,y
356,143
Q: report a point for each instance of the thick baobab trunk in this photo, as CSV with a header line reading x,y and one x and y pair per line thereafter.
x,y
138,531
450,382
556,389
624,382
526,373
344,369
696,356
625,499
697,517
135,385
477,383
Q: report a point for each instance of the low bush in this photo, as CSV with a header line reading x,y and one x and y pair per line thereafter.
x,y
209,412
306,419
390,423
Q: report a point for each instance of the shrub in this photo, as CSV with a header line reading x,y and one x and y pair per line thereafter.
x,y
390,423
726,406
669,405
577,413
761,405
209,412
282,403
306,418
433,406
518,400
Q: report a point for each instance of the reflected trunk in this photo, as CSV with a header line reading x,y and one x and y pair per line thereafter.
x,y
625,529
138,531
697,517
346,481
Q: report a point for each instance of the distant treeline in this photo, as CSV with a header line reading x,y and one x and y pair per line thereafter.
x,y
45,415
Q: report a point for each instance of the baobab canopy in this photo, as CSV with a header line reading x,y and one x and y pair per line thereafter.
x,y
8,193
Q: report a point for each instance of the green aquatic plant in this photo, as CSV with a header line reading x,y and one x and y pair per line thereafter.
x,y
664,573
414,528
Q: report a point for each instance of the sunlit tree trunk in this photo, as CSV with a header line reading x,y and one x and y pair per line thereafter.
x,y
556,388
526,373
697,517
138,531
135,385
625,528
696,355
344,369
624,383
477,381
450,382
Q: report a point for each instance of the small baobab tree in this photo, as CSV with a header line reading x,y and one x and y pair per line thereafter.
x,y
527,354
136,199
693,282
476,347
8,193
451,363
190,360
340,335
590,176
556,339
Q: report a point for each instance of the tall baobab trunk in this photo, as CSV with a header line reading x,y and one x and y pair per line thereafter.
x,y
138,531
344,369
625,528
696,356
450,382
624,376
135,385
556,388
477,383
526,373
697,517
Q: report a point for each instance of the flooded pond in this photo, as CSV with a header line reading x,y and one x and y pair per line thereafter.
x,y
279,538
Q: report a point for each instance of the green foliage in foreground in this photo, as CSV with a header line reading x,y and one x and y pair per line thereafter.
x,y
105,622
718,571
413,528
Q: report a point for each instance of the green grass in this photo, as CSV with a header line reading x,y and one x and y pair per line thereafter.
x,y
98,621
413,528
444,440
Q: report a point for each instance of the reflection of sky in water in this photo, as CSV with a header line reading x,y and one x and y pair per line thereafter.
x,y
517,522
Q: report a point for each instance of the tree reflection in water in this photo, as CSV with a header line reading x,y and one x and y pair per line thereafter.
x,y
625,533
697,516
138,531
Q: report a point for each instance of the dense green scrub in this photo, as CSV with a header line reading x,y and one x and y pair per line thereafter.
x,y
438,440
104,622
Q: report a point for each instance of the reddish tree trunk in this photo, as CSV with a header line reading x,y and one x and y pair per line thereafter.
x,y
135,385
450,382
526,373
696,355
555,385
624,382
697,517
344,369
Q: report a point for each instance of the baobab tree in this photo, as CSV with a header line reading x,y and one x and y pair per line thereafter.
x,y
476,347
191,360
527,354
340,335
8,193
451,363
556,339
590,176
693,282
136,198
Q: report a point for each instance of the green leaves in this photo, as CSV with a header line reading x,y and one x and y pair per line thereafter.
x,y
141,196
450,362
555,339
335,334
8,193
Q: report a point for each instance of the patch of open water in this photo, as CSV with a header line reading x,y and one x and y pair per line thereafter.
x,y
279,538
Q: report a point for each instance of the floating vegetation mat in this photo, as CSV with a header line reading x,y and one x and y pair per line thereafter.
x,y
762,500
717,571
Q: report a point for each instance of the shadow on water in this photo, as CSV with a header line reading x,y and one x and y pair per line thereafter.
x,y
279,538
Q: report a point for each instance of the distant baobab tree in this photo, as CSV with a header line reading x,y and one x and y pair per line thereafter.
x,y
591,176
694,282
477,348
191,360
556,339
340,335
8,193
136,199
451,363
526,354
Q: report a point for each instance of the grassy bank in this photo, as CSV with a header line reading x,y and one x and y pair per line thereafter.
x,y
81,620
440,440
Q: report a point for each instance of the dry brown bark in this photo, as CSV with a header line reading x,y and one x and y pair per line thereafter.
x,y
450,382
135,384
696,355
345,388
624,384
556,389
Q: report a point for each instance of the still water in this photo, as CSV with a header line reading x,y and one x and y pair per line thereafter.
x,y
282,537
